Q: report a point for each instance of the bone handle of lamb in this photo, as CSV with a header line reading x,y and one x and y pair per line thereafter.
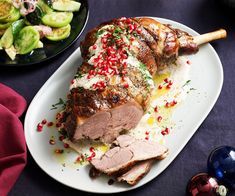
x,y
207,37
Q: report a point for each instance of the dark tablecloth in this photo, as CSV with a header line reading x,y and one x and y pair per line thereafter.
x,y
216,130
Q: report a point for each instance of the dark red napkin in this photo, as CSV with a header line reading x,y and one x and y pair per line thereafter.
x,y
12,140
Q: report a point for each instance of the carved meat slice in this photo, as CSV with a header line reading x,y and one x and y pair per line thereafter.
x,y
106,125
137,172
128,152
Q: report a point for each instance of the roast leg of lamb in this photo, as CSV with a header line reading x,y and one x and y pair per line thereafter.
x,y
112,87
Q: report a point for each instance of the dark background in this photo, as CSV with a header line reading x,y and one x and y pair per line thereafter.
x,y
216,130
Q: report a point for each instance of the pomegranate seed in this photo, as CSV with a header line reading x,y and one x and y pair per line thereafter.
x,y
123,18
111,51
132,39
131,27
39,127
126,85
167,130
146,133
160,87
123,56
72,81
104,40
163,132
92,149
119,23
170,82
93,154
167,104
166,80
89,158
118,41
104,46
58,125
59,151
124,64
128,20
174,102
188,62
124,72
58,115
168,86
156,109
44,121
138,30
49,124
66,145
108,35
146,138
94,47
52,142
159,118
61,138
78,159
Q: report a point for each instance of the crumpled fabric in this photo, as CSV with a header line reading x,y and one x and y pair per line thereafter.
x,y
13,153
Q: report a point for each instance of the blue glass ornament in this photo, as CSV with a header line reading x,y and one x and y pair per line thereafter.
x,y
221,165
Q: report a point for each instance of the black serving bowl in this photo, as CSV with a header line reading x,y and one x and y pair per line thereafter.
x,y
50,48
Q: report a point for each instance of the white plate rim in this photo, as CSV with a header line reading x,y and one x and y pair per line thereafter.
x,y
186,139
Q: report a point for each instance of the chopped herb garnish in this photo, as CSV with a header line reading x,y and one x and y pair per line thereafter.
x,y
61,103
186,83
145,72
143,66
64,133
98,33
80,89
85,155
78,75
128,36
135,34
127,51
118,30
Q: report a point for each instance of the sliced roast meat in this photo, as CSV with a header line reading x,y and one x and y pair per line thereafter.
x,y
136,173
127,153
106,125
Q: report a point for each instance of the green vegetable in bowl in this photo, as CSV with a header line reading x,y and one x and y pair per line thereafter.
x,y
11,33
59,33
27,40
66,5
45,8
17,26
57,19
7,38
11,52
4,25
15,15
51,17
6,9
